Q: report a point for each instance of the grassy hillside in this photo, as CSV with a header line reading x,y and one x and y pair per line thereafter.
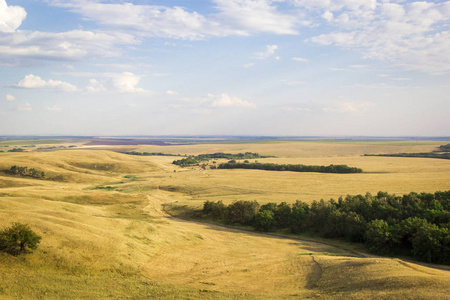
x,y
104,234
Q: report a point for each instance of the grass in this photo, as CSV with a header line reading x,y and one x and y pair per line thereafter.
x,y
115,241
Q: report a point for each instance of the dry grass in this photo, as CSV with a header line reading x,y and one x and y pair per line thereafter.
x,y
117,243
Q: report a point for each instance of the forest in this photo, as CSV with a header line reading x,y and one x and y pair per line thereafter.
x,y
415,225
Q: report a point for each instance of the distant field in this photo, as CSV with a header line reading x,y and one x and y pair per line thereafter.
x,y
395,175
30,142
105,235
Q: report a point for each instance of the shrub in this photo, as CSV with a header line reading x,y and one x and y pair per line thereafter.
x,y
18,239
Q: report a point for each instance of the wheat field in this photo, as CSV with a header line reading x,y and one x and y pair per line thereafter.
x,y
105,234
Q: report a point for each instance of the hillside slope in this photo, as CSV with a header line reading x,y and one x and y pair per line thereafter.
x,y
105,235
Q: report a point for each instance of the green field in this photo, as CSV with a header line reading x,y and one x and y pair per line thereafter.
x,y
105,234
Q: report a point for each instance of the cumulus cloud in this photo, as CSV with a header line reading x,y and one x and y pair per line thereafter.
x,y
23,46
11,17
270,50
414,35
232,17
128,23
252,16
146,20
10,97
224,100
125,82
35,82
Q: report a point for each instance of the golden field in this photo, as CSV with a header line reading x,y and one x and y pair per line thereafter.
x,y
105,234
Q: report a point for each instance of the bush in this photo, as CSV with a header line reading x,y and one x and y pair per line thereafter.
x,y
18,239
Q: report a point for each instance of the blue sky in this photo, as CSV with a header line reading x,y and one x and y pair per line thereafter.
x,y
225,67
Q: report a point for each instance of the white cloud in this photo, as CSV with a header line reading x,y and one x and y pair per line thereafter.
x,y
25,107
11,17
224,100
145,20
347,106
300,59
296,108
249,65
22,46
412,35
35,82
233,17
54,108
382,86
357,66
328,16
171,93
10,97
336,5
338,69
294,83
95,86
270,50
125,82
252,16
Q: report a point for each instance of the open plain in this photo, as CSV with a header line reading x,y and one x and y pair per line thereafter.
x,y
106,235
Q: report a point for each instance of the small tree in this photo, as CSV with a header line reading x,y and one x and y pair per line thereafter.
x,y
18,239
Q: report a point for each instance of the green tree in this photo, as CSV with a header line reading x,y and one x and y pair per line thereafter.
x,y
264,220
282,215
242,212
428,243
299,216
215,210
18,239
378,236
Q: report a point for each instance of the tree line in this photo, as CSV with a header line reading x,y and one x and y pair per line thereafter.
x,y
289,167
443,152
25,171
148,153
444,148
414,225
193,160
445,155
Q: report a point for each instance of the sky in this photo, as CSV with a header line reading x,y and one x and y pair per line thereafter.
x,y
225,67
